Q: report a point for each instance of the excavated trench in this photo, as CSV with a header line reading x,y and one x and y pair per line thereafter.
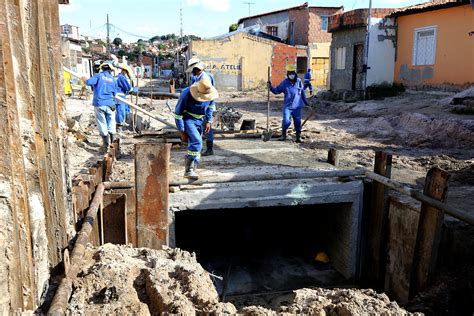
x,y
271,249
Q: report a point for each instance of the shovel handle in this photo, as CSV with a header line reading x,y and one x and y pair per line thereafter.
x,y
268,101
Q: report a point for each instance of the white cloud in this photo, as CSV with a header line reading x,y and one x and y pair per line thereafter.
x,y
212,5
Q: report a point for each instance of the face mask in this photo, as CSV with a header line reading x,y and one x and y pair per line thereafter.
x,y
291,77
196,72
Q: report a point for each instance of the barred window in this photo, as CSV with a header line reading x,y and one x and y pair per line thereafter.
x,y
424,46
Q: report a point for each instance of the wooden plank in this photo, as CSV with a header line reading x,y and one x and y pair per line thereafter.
x,y
152,182
378,219
429,231
333,157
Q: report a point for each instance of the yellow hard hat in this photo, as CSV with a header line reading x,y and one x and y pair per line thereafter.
x,y
291,67
321,257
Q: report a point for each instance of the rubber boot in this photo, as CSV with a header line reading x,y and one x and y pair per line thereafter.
x,y
283,135
209,149
113,137
105,143
190,169
298,137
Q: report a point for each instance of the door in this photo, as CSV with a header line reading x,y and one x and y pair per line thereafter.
x,y
357,67
320,69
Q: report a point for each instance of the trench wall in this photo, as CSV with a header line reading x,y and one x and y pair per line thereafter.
x,y
35,223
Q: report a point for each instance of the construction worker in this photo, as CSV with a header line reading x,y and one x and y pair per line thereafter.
x,y
294,100
105,88
196,68
192,110
124,83
307,82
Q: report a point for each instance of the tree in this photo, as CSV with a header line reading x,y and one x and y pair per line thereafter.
x,y
117,41
121,53
161,46
233,27
155,38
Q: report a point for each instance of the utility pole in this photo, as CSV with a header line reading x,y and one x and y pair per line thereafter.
x,y
249,4
366,48
108,36
181,24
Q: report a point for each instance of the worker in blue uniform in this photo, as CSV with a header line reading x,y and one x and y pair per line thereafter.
x,y
307,82
192,110
196,67
293,102
124,88
105,88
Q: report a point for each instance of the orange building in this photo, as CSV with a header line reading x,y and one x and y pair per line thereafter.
x,y
435,44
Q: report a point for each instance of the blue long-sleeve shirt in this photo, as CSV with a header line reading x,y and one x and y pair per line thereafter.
x,y
105,88
123,84
194,79
188,108
294,94
307,77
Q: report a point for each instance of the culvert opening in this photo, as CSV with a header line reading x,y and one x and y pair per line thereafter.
x,y
271,249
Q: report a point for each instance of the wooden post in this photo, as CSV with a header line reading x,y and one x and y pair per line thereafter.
x,y
152,188
429,231
377,222
333,157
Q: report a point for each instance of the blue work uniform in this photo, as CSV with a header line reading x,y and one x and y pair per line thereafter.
x,y
307,82
293,102
189,116
124,88
194,79
105,88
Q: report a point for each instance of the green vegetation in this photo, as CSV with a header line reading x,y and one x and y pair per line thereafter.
x,y
233,27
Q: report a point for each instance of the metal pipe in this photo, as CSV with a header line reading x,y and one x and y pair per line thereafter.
x,y
64,291
267,176
139,109
118,185
418,195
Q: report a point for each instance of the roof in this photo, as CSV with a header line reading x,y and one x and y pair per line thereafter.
x,y
302,6
355,18
428,6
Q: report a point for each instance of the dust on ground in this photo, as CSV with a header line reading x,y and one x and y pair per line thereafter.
x,y
121,279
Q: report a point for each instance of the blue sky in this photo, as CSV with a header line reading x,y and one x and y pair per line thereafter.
x,y
205,18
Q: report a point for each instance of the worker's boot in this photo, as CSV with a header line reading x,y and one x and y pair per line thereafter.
x,y
298,137
209,148
113,137
190,169
105,142
283,135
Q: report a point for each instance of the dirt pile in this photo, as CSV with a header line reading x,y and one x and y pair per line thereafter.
x,y
126,280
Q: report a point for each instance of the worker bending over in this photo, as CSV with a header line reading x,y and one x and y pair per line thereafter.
x,y
196,67
192,110
294,100
105,88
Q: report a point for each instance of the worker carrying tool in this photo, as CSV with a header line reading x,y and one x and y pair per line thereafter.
x,y
196,68
192,110
124,84
105,88
307,82
293,102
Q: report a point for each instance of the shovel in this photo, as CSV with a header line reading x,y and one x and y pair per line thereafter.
x,y
267,135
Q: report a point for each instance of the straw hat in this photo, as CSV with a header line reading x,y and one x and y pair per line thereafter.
x,y
195,63
203,91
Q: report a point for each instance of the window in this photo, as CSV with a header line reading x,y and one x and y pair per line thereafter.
x,y
424,46
272,30
341,58
324,23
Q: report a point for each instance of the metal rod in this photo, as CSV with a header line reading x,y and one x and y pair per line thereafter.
x,y
64,291
418,195
139,109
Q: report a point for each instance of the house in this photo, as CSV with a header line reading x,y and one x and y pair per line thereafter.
x,y
70,31
349,37
240,60
304,27
435,44
73,57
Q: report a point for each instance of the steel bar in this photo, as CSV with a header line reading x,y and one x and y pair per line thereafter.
x,y
139,109
61,297
269,176
418,195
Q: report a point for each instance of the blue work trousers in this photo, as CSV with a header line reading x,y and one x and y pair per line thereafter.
x,y
193,127
296,114
308,85
105,119
121,114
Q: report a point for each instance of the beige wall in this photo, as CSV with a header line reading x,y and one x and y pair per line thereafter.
x,y
238,62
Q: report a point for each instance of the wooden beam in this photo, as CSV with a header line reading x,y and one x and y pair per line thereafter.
x,y
429,231
333,157
152,189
